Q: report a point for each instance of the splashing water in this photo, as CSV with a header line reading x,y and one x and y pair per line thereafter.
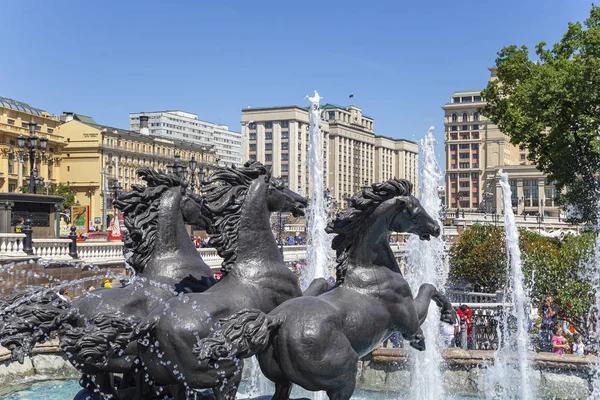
x,y
318,250
595,280
425,261
504,379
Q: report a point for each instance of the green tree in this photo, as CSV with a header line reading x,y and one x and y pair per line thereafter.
x,y
551,105
57,190
552,267
480,258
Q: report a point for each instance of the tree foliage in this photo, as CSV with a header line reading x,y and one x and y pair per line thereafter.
x,y
551,105
480,258
57,190
552,267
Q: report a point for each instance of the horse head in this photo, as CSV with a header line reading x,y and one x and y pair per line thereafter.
x,y
193,211
281,198
411,217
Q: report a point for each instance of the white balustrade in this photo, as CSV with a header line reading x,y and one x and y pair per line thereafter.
x,y
100,251
51,249
11,245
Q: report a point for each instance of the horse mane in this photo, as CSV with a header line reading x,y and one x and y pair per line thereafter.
x,y
224,197
349,223
140,213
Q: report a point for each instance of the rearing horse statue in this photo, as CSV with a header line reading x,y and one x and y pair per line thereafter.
x,y
240,201
166,262
316,342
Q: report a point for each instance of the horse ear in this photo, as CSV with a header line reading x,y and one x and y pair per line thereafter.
x,y
402,201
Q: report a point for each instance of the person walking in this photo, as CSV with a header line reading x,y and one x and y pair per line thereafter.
x,y
549,313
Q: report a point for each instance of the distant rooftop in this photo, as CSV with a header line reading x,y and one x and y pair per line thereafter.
x,y
326,106
20,106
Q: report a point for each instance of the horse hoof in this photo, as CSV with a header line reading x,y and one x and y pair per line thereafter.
x,y
418,344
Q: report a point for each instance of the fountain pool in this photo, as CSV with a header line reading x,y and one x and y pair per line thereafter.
x,y
60,390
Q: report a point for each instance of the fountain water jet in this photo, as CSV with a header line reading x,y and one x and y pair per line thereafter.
x,y
319,256
425,261
505,380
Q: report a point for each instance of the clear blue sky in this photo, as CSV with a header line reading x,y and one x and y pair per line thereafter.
x,y
401,60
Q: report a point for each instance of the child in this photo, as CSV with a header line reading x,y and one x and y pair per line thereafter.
x,y
559,342
578,346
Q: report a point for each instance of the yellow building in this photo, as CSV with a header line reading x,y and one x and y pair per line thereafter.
x,y
96,157
15,117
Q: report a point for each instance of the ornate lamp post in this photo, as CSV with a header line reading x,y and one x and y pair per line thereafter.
x,y
193,164
35,147
177,168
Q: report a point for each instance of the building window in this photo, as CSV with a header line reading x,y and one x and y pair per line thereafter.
x,y
452,147
477,98
331,115
284,145
11,121
285,134
454,128
475,146
466,99
285,124
464,184
253,136
475,135
268,135
268,157
284,167
285,156
464,165
268,146
50,168
522,156
464,146
464,127
527,183
475,127
465,117
464,155
475,155
252,125
252,147
454,118
452,176
453,156
268,124
463,175
252,157
456,99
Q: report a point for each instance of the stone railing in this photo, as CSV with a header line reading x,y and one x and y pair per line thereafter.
x,y
11,245
459,296
51,249
101,252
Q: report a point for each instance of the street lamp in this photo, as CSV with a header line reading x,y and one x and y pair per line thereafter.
x,y
177,168
540,219
193,164
36,148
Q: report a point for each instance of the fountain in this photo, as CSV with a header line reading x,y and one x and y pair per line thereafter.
x,y
318,250
505,380
425,261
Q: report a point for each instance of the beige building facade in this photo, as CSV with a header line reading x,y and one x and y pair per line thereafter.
x,y
353,155
475,152
97,156
15,117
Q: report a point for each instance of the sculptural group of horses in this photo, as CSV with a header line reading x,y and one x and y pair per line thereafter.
x,y
174,330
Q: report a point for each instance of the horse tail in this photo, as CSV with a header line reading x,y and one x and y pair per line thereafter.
x,y
102,336
27,318
241,335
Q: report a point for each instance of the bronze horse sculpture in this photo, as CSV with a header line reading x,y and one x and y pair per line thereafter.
x,y
240,202
166,262
316,342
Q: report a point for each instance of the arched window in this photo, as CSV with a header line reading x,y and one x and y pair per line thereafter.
x,y
475,116
454,118
465,117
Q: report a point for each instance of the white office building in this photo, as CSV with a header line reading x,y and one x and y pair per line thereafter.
x,y
186,126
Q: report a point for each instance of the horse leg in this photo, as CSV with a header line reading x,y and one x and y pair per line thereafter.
x,y
344,393
427,293
282,390
105,385
228,390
